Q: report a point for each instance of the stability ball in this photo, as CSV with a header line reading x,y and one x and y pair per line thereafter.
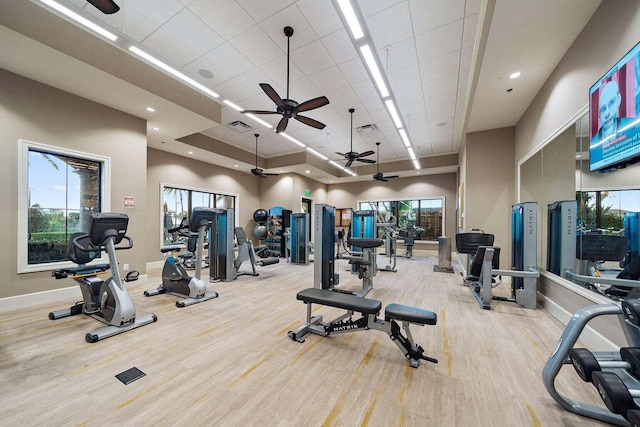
x,y
260,216
260,232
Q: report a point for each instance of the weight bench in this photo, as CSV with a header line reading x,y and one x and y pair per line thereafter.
x,y
369,310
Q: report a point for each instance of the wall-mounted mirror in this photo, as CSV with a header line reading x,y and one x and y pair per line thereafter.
x,y
605,222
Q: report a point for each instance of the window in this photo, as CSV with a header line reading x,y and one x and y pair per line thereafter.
x,y
604,210
424,216
59,190
177,203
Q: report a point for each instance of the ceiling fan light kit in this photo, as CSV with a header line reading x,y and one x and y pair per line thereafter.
x,y
288,108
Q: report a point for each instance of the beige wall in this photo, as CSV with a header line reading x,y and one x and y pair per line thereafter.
x,y
427,186
490,186
39,113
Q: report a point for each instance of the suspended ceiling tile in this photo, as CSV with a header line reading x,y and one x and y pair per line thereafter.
x,y
370,7
291,16
440,67
440,41
342,97
339,46
261,10
402,78
469,31
441,86
390,25
229,60
157,11
398,55
354,71
276,70
226,17
312,58
130,22
170,49
428,15
321,15
192,32
202,63
329,79
256,46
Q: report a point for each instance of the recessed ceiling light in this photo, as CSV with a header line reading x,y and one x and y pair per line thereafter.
x,y
155,128
189,152
151,109
235,166
515,75
307,171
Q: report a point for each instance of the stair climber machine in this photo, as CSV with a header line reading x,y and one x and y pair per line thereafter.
x,y
104,300
175,280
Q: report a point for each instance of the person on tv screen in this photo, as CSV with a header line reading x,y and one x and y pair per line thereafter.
x,y
609,112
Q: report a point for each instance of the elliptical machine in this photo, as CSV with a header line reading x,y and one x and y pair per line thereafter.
x,y
175,280
105,300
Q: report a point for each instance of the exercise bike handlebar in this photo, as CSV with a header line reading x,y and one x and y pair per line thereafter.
x,y
102,247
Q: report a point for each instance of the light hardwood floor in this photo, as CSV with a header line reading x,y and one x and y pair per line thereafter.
x,y
229,362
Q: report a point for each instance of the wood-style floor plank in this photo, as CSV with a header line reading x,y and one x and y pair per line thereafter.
x,y
228,361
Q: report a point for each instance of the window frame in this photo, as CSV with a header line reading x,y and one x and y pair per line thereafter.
x,y
24,146
164,185
410,199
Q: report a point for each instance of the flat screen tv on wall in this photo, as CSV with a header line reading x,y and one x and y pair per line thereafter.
x,y
614,115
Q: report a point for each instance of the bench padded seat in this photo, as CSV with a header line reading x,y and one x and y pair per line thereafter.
x,y
365,243
340,300
410,314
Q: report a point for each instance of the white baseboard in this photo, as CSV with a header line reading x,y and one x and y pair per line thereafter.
x,y
589,336
46,297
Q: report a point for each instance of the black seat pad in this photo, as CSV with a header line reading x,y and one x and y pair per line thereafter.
x,y
410,314
340,300
365,243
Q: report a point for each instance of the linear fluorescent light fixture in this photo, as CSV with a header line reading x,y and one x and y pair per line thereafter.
x,y
315,153
416,165
370,60
169,69
292,139
232,105
350,172
351,18
80,19
394,113
259,120
412,153
405,138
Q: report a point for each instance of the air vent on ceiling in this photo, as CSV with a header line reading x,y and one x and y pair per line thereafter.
x,y
239,126
367,129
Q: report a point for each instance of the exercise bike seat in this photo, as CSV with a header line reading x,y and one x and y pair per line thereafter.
x,y
365,243
174,247
82,270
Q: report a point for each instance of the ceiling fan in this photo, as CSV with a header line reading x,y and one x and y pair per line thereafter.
x,y
288,108
257,171
105,6
352,156
379,176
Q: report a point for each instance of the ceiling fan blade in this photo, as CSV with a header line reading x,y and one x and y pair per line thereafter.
x,y
271,93
384,179
259,112
366,153
314,103
341,154
392,176
105,6
282,125
271,174
348,163
366,161
310,122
